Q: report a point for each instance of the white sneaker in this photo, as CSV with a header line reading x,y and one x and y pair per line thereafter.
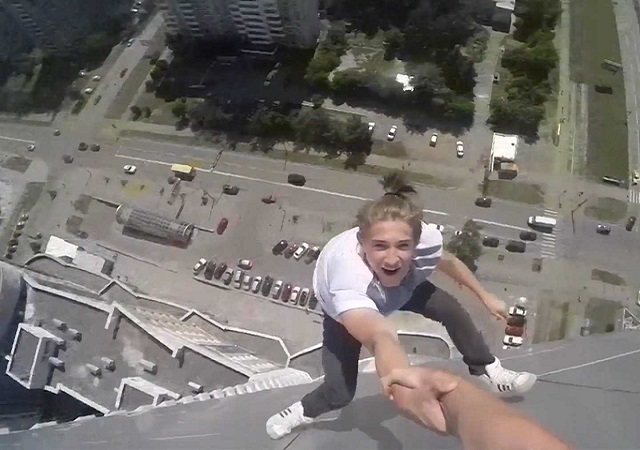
x,y
507,381
282,423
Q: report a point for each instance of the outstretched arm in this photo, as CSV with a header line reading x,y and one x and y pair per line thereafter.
x,y
479,419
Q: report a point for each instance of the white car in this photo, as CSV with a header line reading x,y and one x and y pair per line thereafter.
x,y
96,78
517,311
31,147
88,91
459,149
83,73
199,266
130,42
129,169
392,133
277,287
434,139
301,250
237,278
246,282
295,293
371,125
246,264
255,285
512,341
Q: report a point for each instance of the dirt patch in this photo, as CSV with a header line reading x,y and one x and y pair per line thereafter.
x,y
607,277
16,163
602,314
391,149
606,209
531,194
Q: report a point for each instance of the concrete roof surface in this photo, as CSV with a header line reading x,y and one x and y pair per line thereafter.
x,y
588,392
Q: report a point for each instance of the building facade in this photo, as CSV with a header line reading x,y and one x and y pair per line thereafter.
x,y
293,23
61,26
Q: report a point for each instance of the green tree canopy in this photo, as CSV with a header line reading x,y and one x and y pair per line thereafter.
x,y
467,246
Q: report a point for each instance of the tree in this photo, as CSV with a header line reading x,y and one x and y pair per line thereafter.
x,y
162,64
317,101
393,41
136,111
467,246
534,15
348,82
310,126
179,110
459,71
156,74
150,85
355,136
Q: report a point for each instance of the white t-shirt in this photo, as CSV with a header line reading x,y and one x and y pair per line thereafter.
x,y
343,281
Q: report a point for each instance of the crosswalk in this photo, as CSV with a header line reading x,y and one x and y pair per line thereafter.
x,y
634,196
549,239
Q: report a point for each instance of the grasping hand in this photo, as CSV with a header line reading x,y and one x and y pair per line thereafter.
x,y
496,307
423,401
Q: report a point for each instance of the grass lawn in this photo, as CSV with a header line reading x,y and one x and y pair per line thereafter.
x,y
606,209
531,194
603,314
593,39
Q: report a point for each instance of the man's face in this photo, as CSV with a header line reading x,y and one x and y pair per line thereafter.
x,y
389,248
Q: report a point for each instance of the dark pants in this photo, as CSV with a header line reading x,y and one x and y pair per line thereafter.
x,y
341,351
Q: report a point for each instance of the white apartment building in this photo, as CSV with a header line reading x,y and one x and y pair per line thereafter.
x,y
293,23
59,26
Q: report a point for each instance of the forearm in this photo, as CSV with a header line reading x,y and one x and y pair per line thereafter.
x,y
460,273
484,422
388,354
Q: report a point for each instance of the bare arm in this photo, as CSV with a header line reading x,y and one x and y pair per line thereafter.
x,y
479,419
484,422
460,273
379,336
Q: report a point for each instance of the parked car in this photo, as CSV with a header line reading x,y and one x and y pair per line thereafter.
x,y
277,289
220,270
313,254
268,200
222,225
266,285
483,202
490,241
279,247
95,147
286,292
82,146
31,147
299,253
296,179
245,264
130,169
631,221
517,311
255,285
96,78
514,331
516,246
372,126
246,282
230,190
227,277
304,296
313,301
459,149
392,133
199,266
295,293
434,140
56,132
512,341
290,250
209,268
87,91
528,235
67,159
237,278
516,321
130,42
603,229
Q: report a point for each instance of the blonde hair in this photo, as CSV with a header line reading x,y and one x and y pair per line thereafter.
x,y
394,205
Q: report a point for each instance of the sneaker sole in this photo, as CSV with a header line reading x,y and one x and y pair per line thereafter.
x,y
525,387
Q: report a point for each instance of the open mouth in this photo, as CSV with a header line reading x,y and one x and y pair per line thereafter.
x,y
390,272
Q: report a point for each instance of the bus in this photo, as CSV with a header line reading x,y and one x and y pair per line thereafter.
x,y
183,171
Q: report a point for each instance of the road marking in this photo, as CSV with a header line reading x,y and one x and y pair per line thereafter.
x,y
592,363
634,196
498,224
16,139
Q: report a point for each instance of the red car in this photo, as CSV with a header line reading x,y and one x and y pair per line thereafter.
x,y
288,253
514,331
286,292
222,225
